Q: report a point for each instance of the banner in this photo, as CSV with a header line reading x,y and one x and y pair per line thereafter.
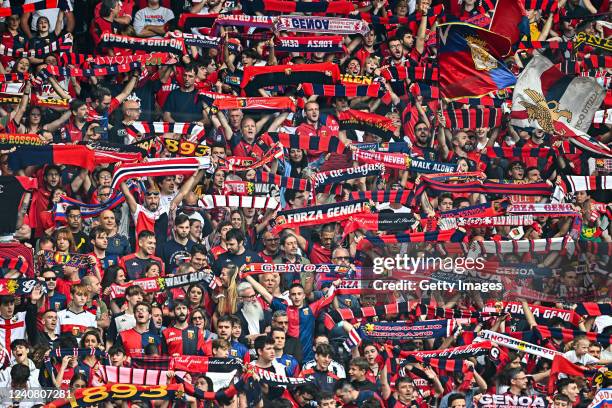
x,y
603,399
380,222
149,285
331,177
485,348
317,269
256,77
200,364
321,25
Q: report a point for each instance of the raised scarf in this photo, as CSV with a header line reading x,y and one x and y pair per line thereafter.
x,y
375,90
567,335
21,286
473,118
171,45
161,167
328,44
276,103
28,139
209,201
324,181
138,129
84,397
16,263
235,163
200,364
383,196
262,268
292,183
265,6
541,313
387,222
319,214
431,329
329,144
256,77
352,119
62,44
516,344
321,25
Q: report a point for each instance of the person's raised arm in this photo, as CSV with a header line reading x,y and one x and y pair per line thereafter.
x,y
528,314
58,89
420,39
442,135
129,198
186,187
222,120
59,23
129,87
25,24
56,124
260,289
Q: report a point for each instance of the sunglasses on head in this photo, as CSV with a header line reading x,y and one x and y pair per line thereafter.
x,y
152,193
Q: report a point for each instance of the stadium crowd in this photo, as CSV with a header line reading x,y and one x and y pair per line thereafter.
x,y
195,196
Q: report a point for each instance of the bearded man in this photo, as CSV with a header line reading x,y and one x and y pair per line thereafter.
x,y
253,318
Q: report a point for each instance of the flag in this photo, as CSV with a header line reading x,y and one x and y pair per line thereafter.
x,y
469,61
561,364
547,99
510,20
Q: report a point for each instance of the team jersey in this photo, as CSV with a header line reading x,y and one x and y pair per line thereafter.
x,y
12,329
75,323
134,343
302,320
188,341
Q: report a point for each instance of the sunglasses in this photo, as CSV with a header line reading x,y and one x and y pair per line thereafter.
x,y
152,193
50,279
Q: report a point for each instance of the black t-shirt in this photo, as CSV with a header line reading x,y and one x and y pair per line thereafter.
x,y
228,258
184,106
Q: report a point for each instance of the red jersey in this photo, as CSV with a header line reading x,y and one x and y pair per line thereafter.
x,y
188,341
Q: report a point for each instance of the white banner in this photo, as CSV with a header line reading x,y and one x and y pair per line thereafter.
x,y
515,344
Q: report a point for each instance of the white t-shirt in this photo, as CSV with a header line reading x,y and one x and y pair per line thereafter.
x,y
149,16
51,14
585,359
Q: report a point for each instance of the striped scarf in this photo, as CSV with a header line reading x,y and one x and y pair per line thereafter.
x,y
473,118
587,183
159,167
352,119
139,129
593,309
136,376
16,263
62,44
375,90
114,69
264,6
319,214
283,182
234,163
383,196
208,201
15,77
329,144
567,335
276,103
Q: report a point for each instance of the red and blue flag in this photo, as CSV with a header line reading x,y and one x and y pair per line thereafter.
x,y
469,61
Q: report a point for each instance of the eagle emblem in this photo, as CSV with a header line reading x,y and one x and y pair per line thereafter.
x,y
483,61
543,112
